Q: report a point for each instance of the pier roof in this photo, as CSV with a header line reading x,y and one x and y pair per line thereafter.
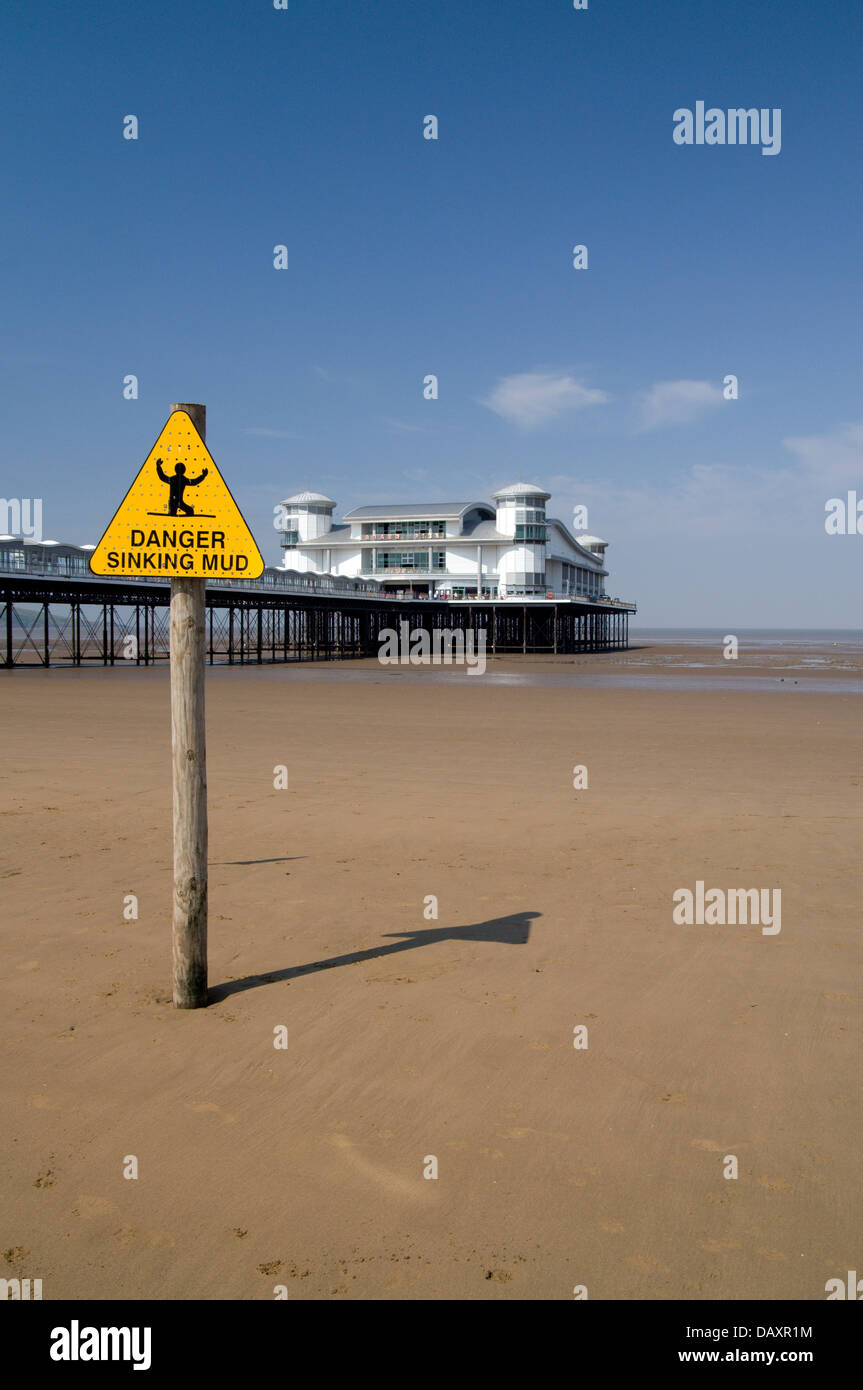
x,y
416,511
304,498
521,490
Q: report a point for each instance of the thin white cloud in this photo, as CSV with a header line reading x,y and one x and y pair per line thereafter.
x,y
265,433
677,402
832,459
529,399
742,539
747,499
400,426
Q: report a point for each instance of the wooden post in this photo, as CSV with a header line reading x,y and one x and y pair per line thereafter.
x,y
189,748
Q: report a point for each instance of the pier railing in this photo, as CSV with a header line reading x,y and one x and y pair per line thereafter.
x,y
76,566
70,562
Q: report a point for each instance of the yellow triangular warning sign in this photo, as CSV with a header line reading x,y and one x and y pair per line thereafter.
x,y
178,517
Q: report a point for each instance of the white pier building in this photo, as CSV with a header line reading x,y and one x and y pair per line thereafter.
x,y
455,550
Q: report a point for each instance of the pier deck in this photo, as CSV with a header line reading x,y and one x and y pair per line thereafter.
x,y
51,620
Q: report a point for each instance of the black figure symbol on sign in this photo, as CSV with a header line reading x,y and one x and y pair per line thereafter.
x,y
178,484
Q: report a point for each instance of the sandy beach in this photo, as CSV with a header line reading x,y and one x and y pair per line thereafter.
x,y
410,1036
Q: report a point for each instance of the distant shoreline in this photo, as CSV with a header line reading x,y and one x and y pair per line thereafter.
x,y
648,664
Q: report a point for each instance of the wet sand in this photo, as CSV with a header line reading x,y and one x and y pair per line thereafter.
x,y
411,1037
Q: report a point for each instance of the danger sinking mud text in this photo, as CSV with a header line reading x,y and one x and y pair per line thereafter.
x,y
171,550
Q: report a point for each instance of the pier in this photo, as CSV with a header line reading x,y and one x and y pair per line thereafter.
x,y
54,613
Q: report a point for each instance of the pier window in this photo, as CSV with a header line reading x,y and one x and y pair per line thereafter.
x,y
524,581
401,560
403,530
15,559
291,531
410,560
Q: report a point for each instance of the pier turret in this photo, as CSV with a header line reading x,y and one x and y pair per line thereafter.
x,y
307,516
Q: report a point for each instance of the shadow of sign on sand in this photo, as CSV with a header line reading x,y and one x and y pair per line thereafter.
x,y
232,863
507,931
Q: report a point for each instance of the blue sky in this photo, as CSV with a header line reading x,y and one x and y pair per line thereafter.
x,y
407,256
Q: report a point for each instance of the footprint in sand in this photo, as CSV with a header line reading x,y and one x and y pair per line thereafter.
x,y
415,1190
647,1266
523,1131
42,1103
94,1206
201,1106
155,1237
582,1181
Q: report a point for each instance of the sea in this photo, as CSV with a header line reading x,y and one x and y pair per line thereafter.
x,y
782,638
785,660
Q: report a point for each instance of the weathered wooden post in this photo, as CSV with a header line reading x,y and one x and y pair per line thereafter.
x,y
189,749
155,534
